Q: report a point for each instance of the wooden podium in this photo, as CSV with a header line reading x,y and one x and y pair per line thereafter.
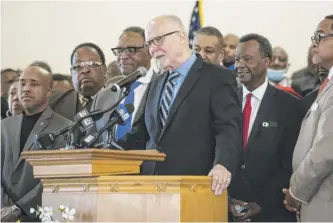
x,y
103,185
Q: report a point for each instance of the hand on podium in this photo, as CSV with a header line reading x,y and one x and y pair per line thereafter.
x,y
221,178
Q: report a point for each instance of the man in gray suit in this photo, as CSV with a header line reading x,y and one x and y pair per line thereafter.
x,y
131,53
311,185
20,191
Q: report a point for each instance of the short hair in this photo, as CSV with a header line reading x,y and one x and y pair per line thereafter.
x,y
61,77
265,47
89,45
135,29
331,18
8,70
211,31
42,64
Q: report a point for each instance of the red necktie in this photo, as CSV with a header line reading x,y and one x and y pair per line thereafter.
x,y
322,85
246,118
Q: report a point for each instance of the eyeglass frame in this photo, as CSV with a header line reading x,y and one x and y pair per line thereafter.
x,y
152,41
320,37
126,49
85,64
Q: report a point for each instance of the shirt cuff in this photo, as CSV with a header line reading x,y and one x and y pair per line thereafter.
x,y
296,197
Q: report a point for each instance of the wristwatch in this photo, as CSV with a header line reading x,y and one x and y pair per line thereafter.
x,y
16,210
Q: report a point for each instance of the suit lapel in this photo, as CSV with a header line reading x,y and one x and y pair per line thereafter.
x,y
40,125
328,85
262,114
191,78
16,133
157,89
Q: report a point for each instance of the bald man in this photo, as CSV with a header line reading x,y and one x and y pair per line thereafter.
x,y
230,43
192,112
20,191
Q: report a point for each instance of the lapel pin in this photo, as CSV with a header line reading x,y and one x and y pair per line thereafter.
x,y
265,124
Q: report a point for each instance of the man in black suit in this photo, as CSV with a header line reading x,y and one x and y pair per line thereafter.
x,y
192,112
271,122
88,75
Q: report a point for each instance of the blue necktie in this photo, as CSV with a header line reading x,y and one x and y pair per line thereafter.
x,y
167,97
121,130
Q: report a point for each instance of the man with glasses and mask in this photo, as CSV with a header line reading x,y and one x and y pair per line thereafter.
x,y
88,75
277,71
192,113
131,54
311,184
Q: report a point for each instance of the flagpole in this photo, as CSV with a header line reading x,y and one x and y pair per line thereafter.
x,y
200,9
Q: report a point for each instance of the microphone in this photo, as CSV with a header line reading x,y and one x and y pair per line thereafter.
x,y
118,116
129,79
88,122
88,125
95,115
45,140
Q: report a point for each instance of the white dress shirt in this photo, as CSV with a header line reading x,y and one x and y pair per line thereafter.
x,y
257,96
139,92
330,74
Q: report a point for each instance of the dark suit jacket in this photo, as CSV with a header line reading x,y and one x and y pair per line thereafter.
x,y
266,164
203,126
309,99
17,172
65,103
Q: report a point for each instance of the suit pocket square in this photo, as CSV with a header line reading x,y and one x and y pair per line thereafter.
x,y
269,124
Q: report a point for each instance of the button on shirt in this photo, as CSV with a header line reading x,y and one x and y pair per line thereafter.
x,y
257,96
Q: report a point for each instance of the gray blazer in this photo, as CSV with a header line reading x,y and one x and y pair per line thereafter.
x,y
18,173
106,98
312,180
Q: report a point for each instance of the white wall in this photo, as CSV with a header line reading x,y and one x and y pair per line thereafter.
x,y
49,31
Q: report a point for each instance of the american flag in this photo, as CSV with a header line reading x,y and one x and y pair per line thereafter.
x,y
196,21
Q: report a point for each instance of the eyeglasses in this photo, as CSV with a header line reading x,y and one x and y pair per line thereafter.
x,y
157,41
129,50
78,67
317,37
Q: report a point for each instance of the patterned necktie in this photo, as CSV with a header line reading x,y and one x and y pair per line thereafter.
x,y
123,129
85,100
246,118
167,97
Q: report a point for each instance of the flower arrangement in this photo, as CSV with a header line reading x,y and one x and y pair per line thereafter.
x,y
46,214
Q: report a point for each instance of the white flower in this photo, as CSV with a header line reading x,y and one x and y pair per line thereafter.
x,y
62,207
47,219
48,211
68,214
32,210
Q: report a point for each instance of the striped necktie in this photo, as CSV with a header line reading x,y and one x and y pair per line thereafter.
x,y
167,97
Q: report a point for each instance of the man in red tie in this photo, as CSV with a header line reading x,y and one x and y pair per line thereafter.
x,y
271,122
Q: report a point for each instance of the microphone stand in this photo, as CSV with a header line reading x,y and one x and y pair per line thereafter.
x,y
125,91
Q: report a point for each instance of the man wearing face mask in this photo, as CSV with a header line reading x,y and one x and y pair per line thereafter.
x,y
277,71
